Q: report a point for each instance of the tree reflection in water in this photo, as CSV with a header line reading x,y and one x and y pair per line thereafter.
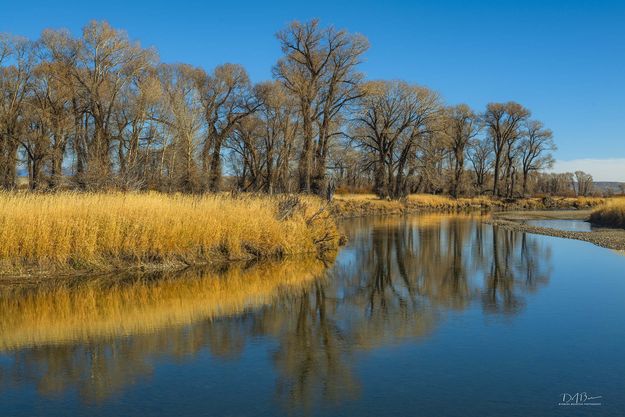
x,y
391,284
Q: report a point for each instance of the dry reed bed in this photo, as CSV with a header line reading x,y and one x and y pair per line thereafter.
x,y
70,231
355,205
94,309
611,214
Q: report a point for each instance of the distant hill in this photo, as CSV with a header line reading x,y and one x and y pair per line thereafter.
x,y
609,186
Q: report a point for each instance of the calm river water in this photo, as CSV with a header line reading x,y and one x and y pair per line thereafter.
x,y
423,315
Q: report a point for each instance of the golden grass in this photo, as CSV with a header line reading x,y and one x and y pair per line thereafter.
x,y
353,205
66,231
350,205
109,307
611,214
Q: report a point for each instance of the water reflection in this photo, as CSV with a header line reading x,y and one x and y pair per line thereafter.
x,y
393,283
88,310
449,262
99,335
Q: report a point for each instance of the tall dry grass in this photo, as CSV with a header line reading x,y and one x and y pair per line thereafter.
x,y
348,205
93,309
53,232
353,205
611,214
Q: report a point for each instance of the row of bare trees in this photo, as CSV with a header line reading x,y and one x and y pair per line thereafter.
x,y
99,111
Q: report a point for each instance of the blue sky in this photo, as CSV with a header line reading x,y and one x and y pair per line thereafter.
x,y
565,60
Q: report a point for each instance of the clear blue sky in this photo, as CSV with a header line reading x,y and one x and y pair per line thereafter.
x,y
565,60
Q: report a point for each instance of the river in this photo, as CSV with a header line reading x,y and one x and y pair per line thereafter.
x,y
420,315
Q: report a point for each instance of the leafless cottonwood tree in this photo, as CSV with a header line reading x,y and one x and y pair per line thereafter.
x,y
480,155
265,141
503,122
462,127
15,83
555,183
181,116
53,95
390,120
535,150
320,68
227,98
106,62
583,183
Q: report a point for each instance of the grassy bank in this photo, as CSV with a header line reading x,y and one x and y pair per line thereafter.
x,y
611,214
82,232
72,232
355,205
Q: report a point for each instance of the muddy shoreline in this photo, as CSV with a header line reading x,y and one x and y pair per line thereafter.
x,y
604,237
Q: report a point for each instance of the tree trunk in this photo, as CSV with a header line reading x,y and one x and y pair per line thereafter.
x,y
214,178
8,164
306,155
56,161
496,175
35,174
525,175
318,182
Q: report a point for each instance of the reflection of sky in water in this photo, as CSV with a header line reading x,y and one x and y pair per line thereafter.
x,y
422,315
567,225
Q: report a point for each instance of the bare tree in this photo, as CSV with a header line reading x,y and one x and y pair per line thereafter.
x,y
535,148
182,118
106,63
54,94
503,122
247,141
556,183
44,119
463,126
480,155
15,82
584,183
227,99
391,118
279,115
320,68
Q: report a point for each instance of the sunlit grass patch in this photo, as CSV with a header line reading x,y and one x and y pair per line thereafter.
x,y
350,205
611,214
108,231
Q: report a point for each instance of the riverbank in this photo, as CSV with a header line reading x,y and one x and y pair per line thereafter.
x,y
607,238
612,214
70,233
358,205
73,233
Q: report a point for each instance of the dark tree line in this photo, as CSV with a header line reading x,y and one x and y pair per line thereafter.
x,y
101,112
